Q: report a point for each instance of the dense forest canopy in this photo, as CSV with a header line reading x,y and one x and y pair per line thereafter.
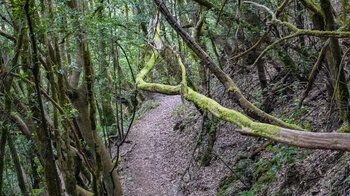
x,y
73,74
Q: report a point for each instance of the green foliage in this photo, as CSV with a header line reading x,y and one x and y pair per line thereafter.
x,y
37,192
178,110
70,111
293,116
226,185
261,174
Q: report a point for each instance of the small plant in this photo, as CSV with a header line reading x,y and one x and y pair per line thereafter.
x,y
295,114
178,110
266,169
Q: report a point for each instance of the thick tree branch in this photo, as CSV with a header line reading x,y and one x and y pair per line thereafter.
x,y
315,70
233,90
301,32
8,36
311,140
50,171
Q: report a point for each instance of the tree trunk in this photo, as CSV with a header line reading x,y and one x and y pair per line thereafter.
x,y
21,181
333,57
45,148
4,134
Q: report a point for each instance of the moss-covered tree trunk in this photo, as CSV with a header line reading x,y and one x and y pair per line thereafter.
x,y
20,177
4,133
43,135
105,85
333,57
83,99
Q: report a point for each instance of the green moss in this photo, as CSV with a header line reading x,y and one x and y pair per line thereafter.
x,y
226,186
217,110
246,125
265,130
149,65
345,128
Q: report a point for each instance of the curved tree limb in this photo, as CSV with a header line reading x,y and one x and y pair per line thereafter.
x,y
316,33
300,32
21,124
271,46
225,79
311,140
253,47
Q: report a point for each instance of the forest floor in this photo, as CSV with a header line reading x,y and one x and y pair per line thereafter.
x,y
159,158
147,168
162,157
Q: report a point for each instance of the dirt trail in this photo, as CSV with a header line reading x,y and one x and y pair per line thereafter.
x,y
149,168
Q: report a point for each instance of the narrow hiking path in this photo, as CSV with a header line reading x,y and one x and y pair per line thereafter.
x,y
149,165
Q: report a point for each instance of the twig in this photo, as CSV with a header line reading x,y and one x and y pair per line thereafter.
x,y
220,12
128,151
263,7
234,173
271,46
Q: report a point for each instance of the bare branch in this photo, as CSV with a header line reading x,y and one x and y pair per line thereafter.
x,y
261,6
271,46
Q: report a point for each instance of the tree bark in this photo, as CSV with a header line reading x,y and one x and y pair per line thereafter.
x,y
333,57
21,181
4,134
45,148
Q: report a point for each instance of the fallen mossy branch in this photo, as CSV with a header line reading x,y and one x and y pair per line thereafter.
x,y
311,140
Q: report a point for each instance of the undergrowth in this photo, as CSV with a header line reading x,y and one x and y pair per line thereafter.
x,y
260,174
